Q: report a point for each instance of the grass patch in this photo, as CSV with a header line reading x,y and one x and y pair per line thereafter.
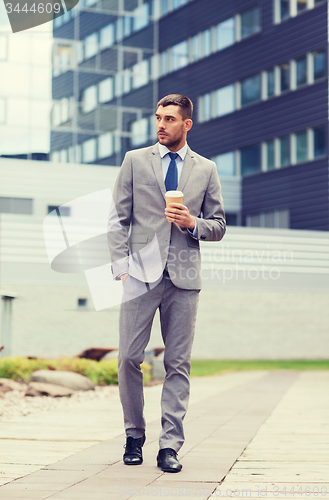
x,y
100,372
203,368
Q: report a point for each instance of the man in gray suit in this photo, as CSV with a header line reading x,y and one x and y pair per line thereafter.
x,y
155,252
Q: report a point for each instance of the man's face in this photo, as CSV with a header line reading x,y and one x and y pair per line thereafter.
x,y
171,127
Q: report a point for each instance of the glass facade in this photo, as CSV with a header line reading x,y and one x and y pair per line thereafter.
x,y
250,21
270,82
319,64
284,151
301,71
250,90
225,164
225,100
270,154
284,9
285,77
319,141
301,146
250,159
225,34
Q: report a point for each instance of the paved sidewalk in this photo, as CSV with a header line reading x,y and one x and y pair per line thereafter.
x,y
248,434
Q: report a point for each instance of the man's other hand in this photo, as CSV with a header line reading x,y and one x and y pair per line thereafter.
x,y
123,277
176,212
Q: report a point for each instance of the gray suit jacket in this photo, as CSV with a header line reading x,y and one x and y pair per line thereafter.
x,y
141,240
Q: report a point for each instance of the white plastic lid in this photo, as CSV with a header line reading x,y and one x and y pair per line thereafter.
x,y
174,194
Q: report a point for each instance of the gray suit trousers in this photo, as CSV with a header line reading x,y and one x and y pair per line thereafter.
x,y
178,308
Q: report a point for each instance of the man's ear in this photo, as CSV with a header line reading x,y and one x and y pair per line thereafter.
x,y
188,124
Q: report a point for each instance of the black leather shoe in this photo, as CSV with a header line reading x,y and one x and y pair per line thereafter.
x,y
133,454
167,460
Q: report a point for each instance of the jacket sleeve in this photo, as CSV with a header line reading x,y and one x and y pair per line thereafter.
x,y
120,218
212,224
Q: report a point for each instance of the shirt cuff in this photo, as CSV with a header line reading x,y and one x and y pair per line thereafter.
x,y
194,233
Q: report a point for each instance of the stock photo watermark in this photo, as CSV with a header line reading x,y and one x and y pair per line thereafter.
x,y
262,491
26,14
91,242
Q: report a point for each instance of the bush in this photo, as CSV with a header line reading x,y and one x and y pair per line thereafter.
x,y
100,372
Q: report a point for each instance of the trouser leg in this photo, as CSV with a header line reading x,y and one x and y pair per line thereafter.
x,y
178,310
136,317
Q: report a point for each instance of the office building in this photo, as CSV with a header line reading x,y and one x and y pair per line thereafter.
x,y
256,71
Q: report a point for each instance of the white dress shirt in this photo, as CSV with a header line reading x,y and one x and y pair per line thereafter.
x,y
165,161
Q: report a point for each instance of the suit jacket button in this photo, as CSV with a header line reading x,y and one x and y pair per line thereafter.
x,y
203,237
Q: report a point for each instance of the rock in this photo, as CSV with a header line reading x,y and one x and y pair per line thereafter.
x,y
96,353
72,380
44,389
111,355
6,384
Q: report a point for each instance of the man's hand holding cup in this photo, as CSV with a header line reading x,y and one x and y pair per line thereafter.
x,y
177,212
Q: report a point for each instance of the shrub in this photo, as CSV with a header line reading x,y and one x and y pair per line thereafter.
x,y
100,372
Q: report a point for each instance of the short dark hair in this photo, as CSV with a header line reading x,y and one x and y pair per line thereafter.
x,y
185,104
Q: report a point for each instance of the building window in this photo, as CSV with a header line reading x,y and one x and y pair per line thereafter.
x,y
284,150
231,219
301,71
16,205
141,17
63,56
206,43
225,164
105,90
164,63
89,151
279,219
285,77
225,100
284,9
301,5
59,210
270,154
140,74
89,101
319,64
179,56
195,48
107,36
105,145
178,3
270,82
164,7
250,21
250,90
250,159
91,45
319,141
225,34
301,146
205,108
290,8
139,132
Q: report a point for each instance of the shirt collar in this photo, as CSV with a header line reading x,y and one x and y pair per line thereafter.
x,y
164,151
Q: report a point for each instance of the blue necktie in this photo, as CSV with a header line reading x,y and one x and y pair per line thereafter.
x,y
171,181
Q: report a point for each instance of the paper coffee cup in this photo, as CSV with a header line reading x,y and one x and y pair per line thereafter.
x,y
174,197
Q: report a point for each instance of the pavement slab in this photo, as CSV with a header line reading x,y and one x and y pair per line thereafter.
x,y
246,435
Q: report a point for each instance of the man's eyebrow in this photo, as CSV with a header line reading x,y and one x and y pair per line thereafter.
x,y
166,116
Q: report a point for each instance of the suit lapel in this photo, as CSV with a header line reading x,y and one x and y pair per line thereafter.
x,y
157,167
187,168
